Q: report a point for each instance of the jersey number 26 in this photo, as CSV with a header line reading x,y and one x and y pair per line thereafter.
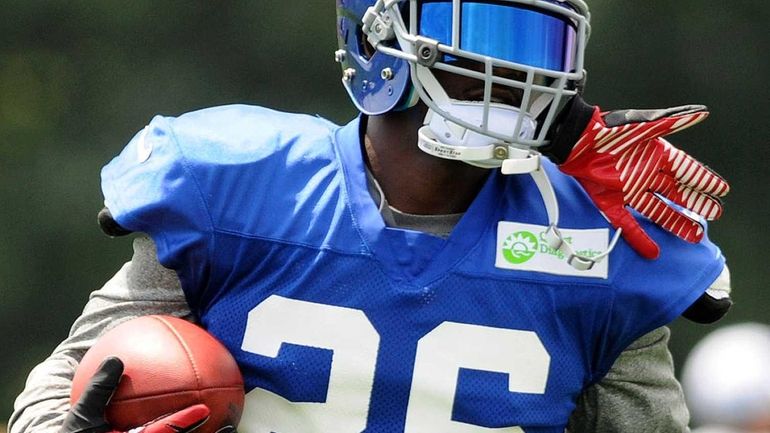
x,y
355,343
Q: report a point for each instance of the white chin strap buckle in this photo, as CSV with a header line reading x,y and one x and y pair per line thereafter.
x,y
521,161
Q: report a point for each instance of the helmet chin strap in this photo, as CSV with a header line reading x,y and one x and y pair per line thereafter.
x,y
553,235
445,139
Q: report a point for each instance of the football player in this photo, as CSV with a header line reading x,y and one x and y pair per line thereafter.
x,y
480,250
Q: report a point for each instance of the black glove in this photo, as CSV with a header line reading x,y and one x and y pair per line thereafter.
x,y
87,415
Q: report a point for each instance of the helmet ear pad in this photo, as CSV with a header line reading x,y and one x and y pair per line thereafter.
x,y
376,82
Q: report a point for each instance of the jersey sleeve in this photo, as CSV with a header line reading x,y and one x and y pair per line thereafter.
x,y
192,180
648,294
150,187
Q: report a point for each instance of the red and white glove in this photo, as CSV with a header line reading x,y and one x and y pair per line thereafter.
x,y
87,415
621,159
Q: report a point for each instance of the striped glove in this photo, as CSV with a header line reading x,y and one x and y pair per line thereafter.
x,y
621,159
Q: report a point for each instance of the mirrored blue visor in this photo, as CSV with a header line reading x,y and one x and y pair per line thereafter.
x,y
505,31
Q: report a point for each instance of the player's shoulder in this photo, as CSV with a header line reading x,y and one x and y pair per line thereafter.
x,y
241,119
241,130
672,282
677,256
205,162
223,139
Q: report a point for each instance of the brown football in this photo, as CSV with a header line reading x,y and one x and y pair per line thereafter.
x,y
169,364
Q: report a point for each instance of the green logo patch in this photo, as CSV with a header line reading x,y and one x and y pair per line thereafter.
x,y
519,247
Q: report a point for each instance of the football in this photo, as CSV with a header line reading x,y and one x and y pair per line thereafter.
x,y
169,364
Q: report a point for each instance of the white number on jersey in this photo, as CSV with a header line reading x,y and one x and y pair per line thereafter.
x,y
350,335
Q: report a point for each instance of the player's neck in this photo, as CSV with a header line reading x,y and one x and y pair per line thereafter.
x,y
413,181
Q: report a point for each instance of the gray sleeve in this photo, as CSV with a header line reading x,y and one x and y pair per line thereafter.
x,y
141,287
638,394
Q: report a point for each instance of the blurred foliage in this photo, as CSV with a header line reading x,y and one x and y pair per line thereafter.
x,y
78,78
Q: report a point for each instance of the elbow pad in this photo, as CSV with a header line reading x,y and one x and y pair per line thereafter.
x,y
109,226
714,303
708,309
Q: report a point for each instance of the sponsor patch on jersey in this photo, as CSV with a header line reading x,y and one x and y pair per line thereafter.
x,y
523,247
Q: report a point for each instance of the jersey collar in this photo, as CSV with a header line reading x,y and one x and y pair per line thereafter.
x,y
404,254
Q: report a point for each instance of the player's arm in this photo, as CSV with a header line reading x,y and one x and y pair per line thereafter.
x,y
638,394
141,287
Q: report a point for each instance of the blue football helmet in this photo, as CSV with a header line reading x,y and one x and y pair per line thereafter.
x,y
390,49
527,56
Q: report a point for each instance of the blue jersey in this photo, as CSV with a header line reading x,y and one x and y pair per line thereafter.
x,y
341,324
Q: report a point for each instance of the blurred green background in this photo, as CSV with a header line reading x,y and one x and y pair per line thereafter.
x,y
79,78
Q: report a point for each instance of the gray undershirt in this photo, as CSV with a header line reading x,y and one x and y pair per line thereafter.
x,y
438,225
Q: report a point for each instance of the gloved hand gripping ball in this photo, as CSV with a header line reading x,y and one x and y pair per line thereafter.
x,y
87,414
164,365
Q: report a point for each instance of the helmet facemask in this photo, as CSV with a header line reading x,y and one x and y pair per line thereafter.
x,y
531,49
